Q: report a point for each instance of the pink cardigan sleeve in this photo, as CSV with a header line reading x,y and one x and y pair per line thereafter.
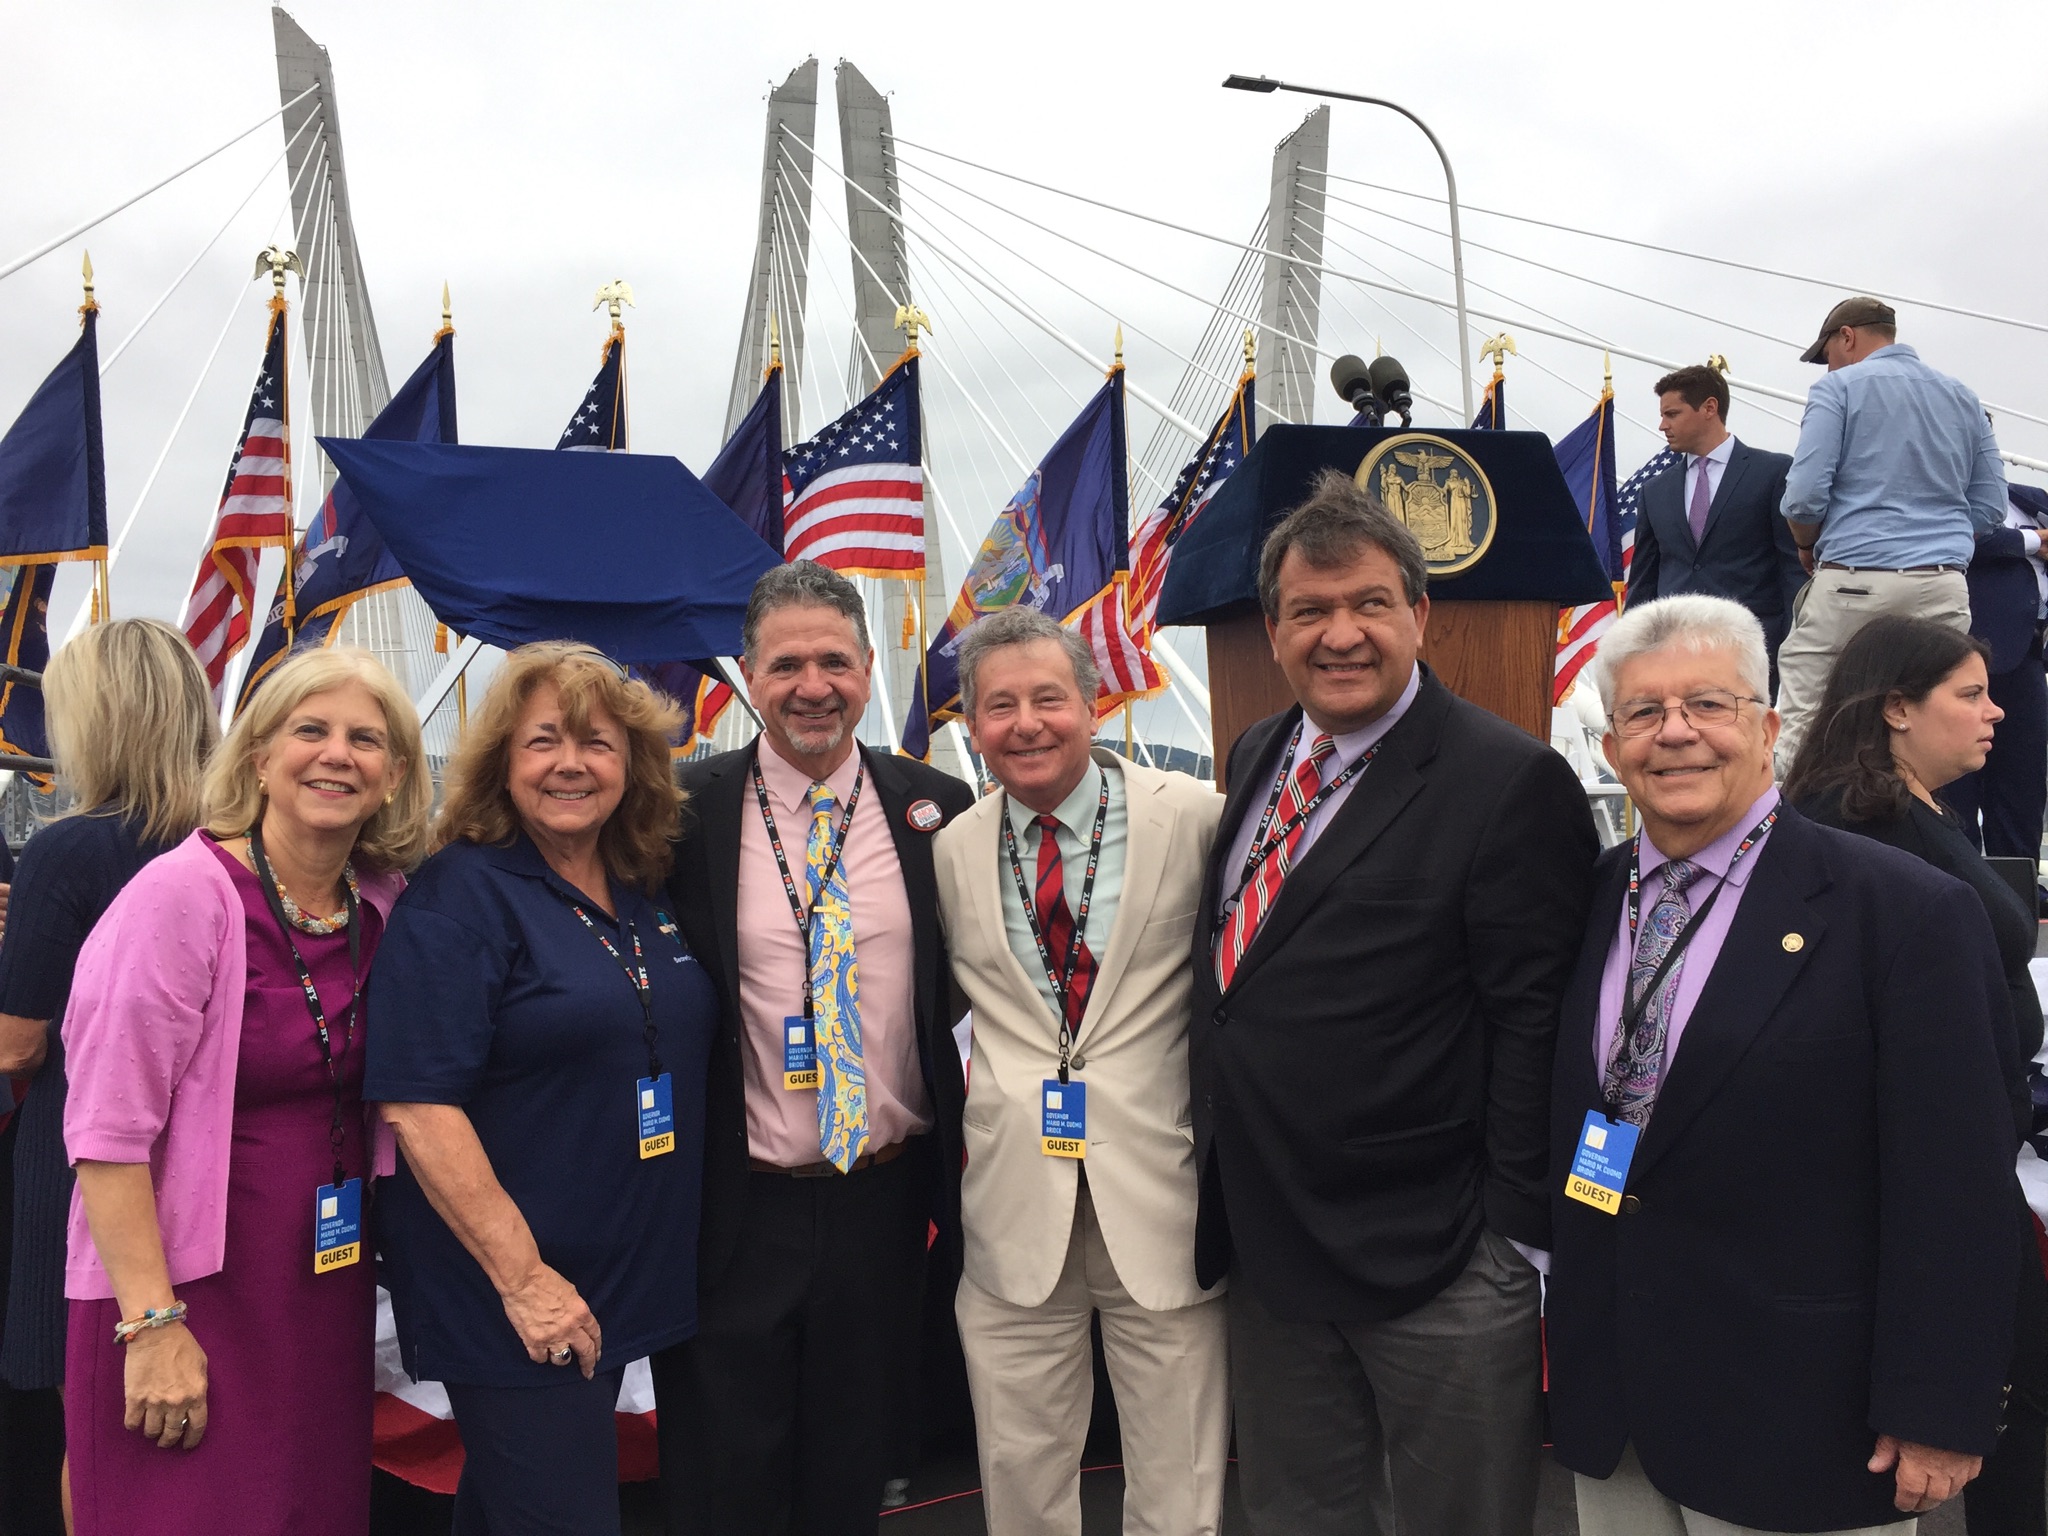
x,y
137,1012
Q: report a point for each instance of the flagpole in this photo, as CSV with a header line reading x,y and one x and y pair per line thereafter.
x,y
281,261
102,593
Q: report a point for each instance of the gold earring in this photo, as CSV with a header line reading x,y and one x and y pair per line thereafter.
x,y
388,799
261,787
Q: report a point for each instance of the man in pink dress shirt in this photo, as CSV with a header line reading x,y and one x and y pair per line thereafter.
x,y
779,1418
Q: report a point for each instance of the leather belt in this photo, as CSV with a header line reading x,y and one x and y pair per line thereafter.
x,y
1891,570
825,1170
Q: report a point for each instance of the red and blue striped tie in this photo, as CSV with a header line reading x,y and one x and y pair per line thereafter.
x,y
1057,922
1263,889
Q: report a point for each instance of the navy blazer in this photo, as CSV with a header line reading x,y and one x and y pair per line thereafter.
x,y
1816,1243
1747,553
2005,598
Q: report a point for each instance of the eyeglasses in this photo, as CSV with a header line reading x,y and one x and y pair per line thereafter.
x,y
1712,709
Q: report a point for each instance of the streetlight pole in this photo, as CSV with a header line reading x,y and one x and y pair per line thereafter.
x,y
1263,84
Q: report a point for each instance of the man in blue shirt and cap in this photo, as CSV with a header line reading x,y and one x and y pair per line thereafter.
x,y
1895,475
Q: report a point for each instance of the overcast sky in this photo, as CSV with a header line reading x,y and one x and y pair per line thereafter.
x,y
527,153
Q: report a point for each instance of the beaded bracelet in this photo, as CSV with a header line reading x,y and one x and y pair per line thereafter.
x,y
152,1317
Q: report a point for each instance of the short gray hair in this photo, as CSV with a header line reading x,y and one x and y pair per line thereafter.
x,y
1340,518
1692,622
805,582
1021,626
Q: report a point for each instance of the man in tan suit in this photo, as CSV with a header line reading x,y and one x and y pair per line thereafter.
x,y
1069,903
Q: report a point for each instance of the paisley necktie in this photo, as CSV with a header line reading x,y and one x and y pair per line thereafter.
x,y
835,994
1635,1063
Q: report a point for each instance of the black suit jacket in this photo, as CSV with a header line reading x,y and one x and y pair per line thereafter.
x,y
2005,599
1372,1090
1747,554
1816,1244
705,888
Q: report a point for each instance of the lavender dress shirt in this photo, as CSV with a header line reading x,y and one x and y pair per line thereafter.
x,y
1705,946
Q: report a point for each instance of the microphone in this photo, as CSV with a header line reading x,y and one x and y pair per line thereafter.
x,y
1389,384
1352,380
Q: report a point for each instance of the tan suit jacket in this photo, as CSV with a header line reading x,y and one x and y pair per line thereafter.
x,y
1017,1204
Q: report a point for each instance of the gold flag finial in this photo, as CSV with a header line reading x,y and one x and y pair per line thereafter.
x,y
276,260
447,308
1119,344
910,320
1717,362
774,341
1607,371
90,301
1500,348
1251,347
614,293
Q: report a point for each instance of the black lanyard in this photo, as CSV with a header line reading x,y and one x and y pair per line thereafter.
x,y
1265,837
1632,1009
796,905
335,1139
636,974
1062,978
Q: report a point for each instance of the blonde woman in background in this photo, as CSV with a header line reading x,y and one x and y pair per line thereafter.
x,y
218,1370
132,726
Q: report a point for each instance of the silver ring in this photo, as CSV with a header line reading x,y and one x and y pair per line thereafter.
x,y
561,1355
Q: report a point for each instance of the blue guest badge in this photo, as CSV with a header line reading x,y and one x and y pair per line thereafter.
x,y
656,1101
799,1053
337,1225
1063,1118
1600,1162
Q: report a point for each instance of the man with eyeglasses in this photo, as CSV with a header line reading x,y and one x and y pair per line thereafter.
x,y
1782,1288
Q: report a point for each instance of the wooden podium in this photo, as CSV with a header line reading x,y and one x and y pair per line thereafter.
x,y
1492,632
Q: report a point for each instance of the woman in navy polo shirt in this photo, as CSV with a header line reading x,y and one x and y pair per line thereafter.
x,y
540,1049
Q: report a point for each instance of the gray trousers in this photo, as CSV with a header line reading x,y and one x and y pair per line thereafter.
x,y
1628,1504
1429,1422
1830,610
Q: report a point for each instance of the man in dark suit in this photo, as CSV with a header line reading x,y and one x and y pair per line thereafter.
x,y
1711,524
1398,889
2008,600
832,1117
1783,1284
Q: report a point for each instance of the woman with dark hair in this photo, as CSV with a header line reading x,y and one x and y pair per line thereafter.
x,y
1908,710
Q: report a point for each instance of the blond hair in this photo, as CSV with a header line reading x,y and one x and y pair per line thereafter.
x,y
131,724
635,842
393,838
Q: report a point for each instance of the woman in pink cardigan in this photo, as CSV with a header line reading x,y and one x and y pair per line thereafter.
x,y
218,1369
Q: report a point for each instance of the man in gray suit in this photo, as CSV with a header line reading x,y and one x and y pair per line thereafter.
x,y
1711,524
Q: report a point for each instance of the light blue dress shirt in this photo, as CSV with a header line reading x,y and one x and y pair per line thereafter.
x,y
1076,816
1896,463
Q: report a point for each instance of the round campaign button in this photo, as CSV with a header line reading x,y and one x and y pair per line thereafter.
x,y
925,815
1793,943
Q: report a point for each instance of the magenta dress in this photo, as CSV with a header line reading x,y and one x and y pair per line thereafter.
x,y
288,1353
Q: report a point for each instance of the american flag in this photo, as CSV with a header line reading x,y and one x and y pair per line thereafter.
x,y
854,494
600,421
255,512
1579,629
1119,624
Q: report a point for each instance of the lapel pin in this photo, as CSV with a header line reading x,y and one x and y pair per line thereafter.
x,y
1792,943
924,815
